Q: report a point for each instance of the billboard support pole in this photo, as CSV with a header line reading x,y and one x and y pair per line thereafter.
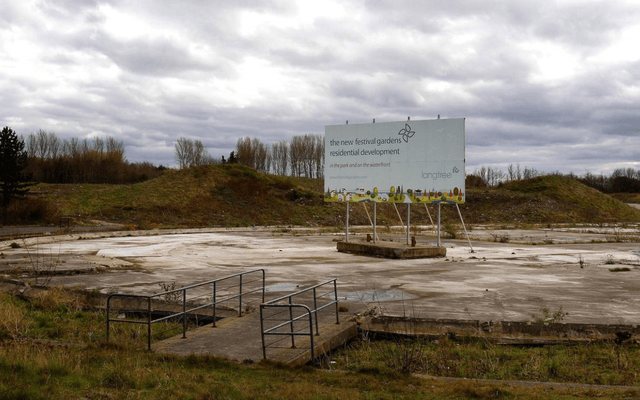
x,y
346,237
465,228
438,228
428,213
375,222
408,221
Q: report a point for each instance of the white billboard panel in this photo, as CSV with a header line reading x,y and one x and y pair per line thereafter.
x,y
397,162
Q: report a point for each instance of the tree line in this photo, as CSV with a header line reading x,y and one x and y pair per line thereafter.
x,y
302,156
621,180
51,159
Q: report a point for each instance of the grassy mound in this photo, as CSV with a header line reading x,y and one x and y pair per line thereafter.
x,y
236,195
546,199
227,195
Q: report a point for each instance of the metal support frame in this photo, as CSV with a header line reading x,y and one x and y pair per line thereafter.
x,y
461,220
375,222
408,223
346,237
438,228
465,228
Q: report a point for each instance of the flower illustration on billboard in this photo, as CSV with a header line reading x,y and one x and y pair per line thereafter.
x,y
406,132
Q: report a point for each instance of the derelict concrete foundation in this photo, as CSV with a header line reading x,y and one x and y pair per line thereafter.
x,y
393,250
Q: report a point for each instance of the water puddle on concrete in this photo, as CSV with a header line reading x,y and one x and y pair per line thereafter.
x,y
367,295
377,295
285,287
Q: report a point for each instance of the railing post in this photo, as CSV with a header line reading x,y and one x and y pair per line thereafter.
x,y
263,285
240,297
311,337
315,311
108,315
293,343
214,304
335,296
264,345
184,313
148,323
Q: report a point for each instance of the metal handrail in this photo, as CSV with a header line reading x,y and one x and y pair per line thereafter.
x,y
214,302
312,313
272,331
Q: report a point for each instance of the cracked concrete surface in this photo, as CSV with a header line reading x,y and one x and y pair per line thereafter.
x,y
498,281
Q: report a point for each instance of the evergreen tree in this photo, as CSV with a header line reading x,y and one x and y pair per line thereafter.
x,y
13,160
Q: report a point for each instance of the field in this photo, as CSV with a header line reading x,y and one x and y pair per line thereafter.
x,y
54,346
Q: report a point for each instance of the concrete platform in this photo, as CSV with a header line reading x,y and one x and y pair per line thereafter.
x,y
393,250
592,272
239,339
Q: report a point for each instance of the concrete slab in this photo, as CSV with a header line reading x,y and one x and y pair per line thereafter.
x,y
584,270
394,250
239,339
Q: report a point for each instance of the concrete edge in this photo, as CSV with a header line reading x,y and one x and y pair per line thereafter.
x,y
510,329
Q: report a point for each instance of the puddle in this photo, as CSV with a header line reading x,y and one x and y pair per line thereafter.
x,y
377,295
286,287
636,252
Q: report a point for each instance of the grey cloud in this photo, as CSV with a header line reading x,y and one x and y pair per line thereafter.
x,y
384,60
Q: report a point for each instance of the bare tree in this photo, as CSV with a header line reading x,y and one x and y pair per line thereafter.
x,y
190,153
245,153
42,144
252,152
279,157
511,173
261,155
296,155
98,145
55,146
184,152
318,156
530,173
115,146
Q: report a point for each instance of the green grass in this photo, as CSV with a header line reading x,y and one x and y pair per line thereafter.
x,y
81,364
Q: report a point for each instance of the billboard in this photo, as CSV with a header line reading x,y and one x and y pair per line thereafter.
x,y
396,162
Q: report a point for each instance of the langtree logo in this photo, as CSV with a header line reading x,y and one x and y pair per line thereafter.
x,y
406,133
455,170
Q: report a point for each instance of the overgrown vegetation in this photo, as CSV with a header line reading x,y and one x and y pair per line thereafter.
x,y
53,346
550,316
237,195
603,363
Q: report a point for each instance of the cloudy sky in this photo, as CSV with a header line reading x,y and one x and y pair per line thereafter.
x,y
552,85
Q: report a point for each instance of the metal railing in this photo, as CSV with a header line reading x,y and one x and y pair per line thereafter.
x,y
284,322
182,292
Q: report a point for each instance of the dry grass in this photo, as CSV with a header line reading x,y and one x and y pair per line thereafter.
x,y
59,297
120,369
13,323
